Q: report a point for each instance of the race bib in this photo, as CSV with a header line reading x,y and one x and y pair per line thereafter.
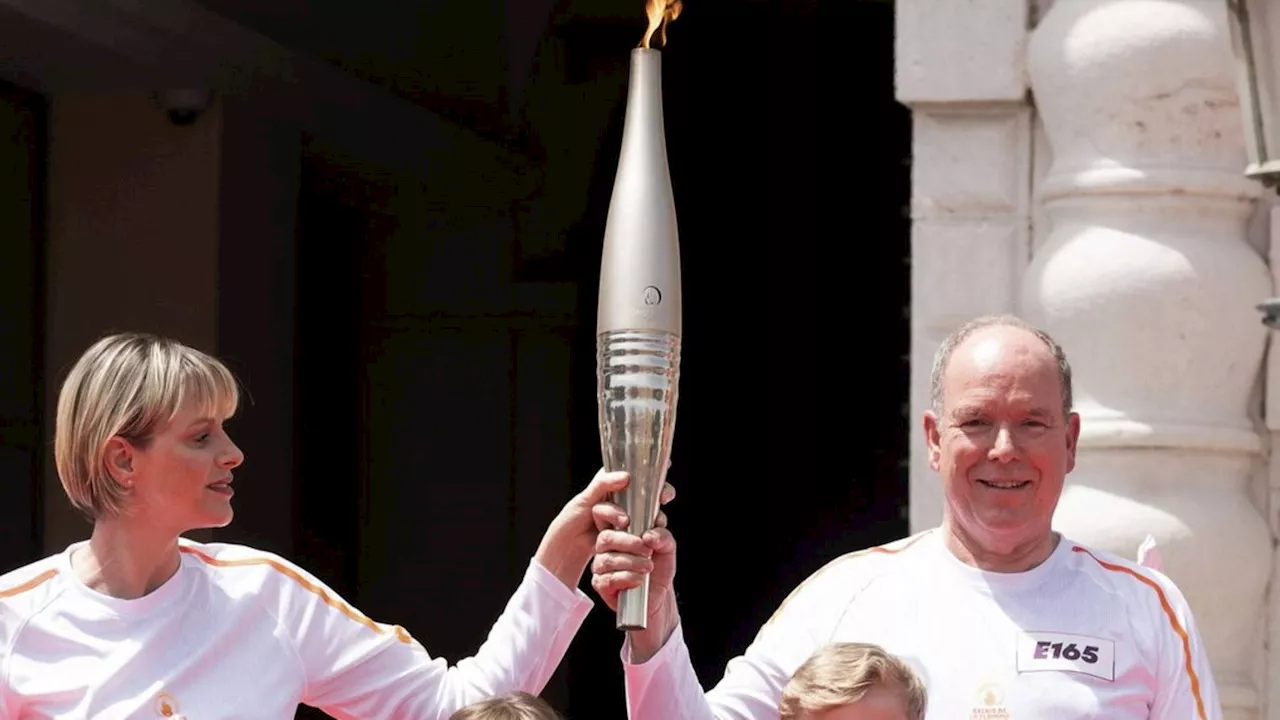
x,y
1064,652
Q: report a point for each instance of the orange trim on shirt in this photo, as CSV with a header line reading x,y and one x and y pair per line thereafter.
x,y
1173,620
400,633
31,584
881,549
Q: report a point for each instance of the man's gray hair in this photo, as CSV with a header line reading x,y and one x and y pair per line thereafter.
x,y
943,357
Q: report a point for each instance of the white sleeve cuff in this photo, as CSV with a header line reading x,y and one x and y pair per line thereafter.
x,y
674,649
665,686
577,602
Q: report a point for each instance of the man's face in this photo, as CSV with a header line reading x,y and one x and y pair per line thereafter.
x,y
1002,444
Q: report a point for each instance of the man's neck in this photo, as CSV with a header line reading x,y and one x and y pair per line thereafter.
x,y
1018,557
126,559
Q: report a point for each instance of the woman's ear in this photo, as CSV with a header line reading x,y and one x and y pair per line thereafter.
x,y
119,460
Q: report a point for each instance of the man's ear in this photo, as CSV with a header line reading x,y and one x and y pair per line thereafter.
x,y
933,439
1073,439
119,459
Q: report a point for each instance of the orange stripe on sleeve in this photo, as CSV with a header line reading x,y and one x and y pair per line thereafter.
x,y
879,549
1169,614
400,633
31,584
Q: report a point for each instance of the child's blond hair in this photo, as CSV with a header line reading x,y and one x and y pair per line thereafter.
x,y
511,706
842,673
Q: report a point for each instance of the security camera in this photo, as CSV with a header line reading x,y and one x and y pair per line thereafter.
x,y
1270,313
183,106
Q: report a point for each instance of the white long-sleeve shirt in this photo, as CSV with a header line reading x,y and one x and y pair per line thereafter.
x,y
241,633
1084,635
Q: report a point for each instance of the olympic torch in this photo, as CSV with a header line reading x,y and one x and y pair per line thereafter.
x,y
638,319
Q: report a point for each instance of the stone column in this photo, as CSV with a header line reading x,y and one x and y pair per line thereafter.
x,y
1146,277
959,67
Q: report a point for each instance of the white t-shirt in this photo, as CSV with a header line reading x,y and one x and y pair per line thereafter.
x,y
241,633
1085,634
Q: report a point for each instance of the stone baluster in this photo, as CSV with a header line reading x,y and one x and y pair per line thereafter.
x,y
1146,278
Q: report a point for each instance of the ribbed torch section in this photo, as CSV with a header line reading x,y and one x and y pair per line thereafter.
x,y
638,320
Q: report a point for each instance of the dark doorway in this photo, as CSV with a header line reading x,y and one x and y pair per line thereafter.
x,y
336,224
22,450
339,220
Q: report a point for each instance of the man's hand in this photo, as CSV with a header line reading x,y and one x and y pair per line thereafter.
x,y
570,540
621,562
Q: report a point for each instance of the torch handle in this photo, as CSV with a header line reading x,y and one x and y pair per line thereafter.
x,y
633,603
633,607
637,376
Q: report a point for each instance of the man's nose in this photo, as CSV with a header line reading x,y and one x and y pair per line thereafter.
x,y
1004,448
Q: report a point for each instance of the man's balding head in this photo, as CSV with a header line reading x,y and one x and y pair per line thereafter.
x,y
942,358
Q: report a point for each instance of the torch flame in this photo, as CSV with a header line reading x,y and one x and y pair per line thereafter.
x,y
661,13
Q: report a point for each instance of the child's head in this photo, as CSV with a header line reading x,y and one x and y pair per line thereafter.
x,y
853,681
511,706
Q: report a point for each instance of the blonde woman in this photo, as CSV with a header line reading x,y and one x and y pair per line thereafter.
x,y
138,622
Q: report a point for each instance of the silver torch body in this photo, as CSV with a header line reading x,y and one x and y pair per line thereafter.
x,y
638,319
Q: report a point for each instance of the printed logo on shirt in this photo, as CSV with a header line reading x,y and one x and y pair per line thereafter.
x,y
989,704
165,705
1065,652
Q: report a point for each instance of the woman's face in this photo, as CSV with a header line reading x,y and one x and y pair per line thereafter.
x,y
182,477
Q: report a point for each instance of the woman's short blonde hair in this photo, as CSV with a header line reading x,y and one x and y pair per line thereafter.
x,y
511,706
841,673
128,385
